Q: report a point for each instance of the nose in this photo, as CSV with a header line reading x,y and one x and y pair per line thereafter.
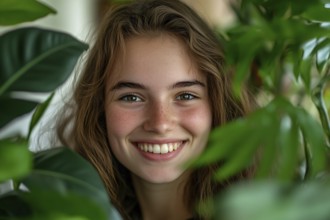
x,y
160,118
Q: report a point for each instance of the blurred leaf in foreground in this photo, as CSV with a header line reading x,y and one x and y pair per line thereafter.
x,y
275,133
15,159
274,201
18,11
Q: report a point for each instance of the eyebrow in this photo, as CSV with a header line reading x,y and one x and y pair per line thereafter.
x,y
181,84
121,85
188,84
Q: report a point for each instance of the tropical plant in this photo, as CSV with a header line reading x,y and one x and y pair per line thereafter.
x,y
55,183
282,48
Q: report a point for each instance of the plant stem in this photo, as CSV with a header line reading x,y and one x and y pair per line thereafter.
x,y
307,160
317,98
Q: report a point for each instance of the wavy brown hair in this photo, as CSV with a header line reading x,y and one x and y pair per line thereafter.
x,y
84,127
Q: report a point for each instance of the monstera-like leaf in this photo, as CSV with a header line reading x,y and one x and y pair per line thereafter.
x,y
61,185
33,60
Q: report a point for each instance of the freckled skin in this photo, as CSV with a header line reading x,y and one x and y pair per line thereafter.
x,y
157,112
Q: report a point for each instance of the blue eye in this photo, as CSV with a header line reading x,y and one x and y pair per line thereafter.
x,y
131,98
186,97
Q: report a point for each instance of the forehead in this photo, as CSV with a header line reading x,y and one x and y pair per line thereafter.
x,y
157,57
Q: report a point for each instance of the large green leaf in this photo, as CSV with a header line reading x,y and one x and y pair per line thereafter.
x,y
274,201
37,60
51,205
317,147
288,144
317,12
63,171
15,159
17,11
11,108
13,205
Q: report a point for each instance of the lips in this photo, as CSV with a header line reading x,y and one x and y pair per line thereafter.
x,y
162,148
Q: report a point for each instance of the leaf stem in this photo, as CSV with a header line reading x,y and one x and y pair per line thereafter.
x,y
308,159
317,98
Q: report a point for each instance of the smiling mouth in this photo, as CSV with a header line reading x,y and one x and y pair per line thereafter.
x,y
159,148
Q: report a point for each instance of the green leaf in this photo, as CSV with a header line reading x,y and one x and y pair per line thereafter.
x,y
17,11
268,153
317,12
222,143
297,56
241,159
51,205
274,201
63,171
305,71
11,108
40,205
274,133
241,74
288,142
15,159
314,136
36,60
13,205
38,113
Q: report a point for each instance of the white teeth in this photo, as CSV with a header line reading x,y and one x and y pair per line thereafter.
x,y
156,149
159,149
164,149
170,147
150,149
176,145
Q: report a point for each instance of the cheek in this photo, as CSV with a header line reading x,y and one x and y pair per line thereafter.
x,y
119,122
197,120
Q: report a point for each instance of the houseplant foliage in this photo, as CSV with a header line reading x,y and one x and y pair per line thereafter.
x,y
282,48
55,183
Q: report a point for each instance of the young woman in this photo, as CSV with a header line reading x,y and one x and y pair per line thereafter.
x,y
153,87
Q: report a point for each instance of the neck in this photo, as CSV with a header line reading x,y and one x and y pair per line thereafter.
x,y
162,201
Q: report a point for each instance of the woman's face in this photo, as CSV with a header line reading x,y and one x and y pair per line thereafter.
x,y
157,109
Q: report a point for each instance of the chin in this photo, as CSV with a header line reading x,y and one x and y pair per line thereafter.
x,y
158,177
